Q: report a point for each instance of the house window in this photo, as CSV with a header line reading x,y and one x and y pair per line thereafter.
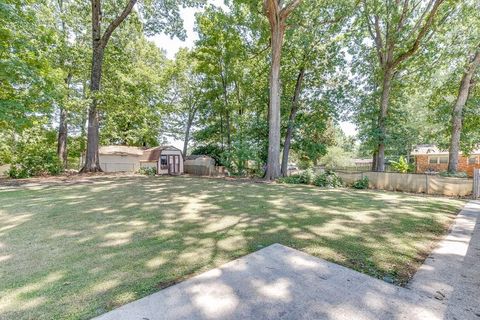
x,y
442,159
472,160
438,160
163,162
432,160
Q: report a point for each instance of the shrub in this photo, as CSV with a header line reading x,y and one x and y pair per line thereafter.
x,y
401,165
148,171
328,179
307,176
361,183
293,179
35,162
453,174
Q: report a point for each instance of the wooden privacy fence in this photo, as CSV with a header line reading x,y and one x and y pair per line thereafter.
x,y
416,183
204,170
476,183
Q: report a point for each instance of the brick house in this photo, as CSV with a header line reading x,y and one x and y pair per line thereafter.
x,y
428,158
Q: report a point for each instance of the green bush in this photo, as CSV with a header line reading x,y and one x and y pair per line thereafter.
x,y
453,174
328,179
31,162
293,179
401,165
361,183
148,171
307,176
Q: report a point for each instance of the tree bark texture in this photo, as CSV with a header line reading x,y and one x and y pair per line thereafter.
x,y
382,117
63,128
291,121
457,112
99,42
277,17
191,116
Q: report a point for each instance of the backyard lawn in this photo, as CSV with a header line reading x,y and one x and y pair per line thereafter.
x,y
77,250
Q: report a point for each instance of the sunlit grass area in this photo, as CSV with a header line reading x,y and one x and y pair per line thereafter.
x,y
76,250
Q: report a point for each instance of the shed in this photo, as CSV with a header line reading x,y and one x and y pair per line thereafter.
x,y
119,158
166,159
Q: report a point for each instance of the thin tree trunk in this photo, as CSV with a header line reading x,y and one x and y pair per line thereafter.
x,y
63,128
229,131
227,112
191,116
374,161
457,113
382,117
291,121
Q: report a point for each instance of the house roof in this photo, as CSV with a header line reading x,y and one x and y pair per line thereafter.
x,y
431,149
153,154
360,161
120,150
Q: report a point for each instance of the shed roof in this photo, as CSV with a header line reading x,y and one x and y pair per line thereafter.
x,y
153,154
120,150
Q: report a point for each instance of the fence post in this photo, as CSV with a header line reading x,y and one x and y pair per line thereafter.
x,y
476,183
426,183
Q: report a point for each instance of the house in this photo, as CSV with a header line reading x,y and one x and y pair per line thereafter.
x,y
429,158
166,159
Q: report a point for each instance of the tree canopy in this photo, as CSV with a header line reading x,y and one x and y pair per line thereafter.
x,y
265,83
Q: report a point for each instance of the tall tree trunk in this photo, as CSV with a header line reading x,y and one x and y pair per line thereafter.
x,y
382,117
457,112
273,162
63,127
92,163
374,161
99,42
291,121
229,130
277,16
225,104
191,116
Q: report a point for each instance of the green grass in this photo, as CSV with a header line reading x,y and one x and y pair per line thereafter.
x,y
76,250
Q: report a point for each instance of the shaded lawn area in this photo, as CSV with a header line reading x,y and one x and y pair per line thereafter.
x,y
73,251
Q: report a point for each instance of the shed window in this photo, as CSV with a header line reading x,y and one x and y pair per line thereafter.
x,y
163,160
472,160
443,159
432,160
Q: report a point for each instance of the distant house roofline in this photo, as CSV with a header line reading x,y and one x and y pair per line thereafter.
x,y
431,149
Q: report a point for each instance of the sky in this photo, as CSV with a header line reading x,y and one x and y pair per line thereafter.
x,y
171,47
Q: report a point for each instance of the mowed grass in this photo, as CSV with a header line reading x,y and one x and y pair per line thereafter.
x,y
77,250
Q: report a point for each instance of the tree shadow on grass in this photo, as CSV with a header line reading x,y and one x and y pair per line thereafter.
x,y
81,250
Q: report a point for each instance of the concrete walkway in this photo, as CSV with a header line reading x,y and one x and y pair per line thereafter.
x,y
282,283
451,274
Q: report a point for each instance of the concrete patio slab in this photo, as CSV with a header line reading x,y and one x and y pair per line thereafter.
x,y
278,282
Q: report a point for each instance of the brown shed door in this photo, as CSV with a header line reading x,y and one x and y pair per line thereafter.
x,y
173,164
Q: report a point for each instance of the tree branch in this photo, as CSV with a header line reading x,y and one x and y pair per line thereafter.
x,y
285,12
423,31
116,22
